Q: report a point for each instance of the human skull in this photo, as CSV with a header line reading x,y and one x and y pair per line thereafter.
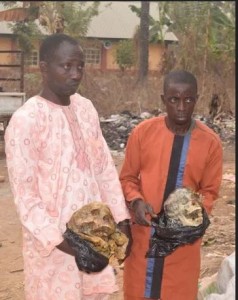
x,y
94,223
184,206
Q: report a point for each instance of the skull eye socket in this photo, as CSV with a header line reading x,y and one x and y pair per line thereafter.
x,y
193,215
95,212
87,226
107,219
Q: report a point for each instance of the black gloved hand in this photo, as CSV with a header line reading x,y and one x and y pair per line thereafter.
x,y
140,209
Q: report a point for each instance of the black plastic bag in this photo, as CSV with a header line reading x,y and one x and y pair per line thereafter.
x,y
87,259
167,236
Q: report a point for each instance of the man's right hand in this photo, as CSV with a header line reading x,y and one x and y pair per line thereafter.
x,y
140,209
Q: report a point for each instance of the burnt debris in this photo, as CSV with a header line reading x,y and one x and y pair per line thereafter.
x,y
117,128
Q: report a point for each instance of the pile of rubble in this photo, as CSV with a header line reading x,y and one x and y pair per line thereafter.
x,y
117,128
224,126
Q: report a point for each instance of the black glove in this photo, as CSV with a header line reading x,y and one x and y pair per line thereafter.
x,y
124,227
140,209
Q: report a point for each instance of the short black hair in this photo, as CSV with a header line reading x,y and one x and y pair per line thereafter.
x,y
180,76
51,43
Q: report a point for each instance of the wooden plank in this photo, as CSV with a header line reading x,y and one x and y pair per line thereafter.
x,y
10,79
22,73
11,66
3,94
11,51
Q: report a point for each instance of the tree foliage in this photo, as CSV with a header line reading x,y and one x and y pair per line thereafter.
x,y
125,54
155,31
73,17
158,26
203,27
25,32
206,33
70,17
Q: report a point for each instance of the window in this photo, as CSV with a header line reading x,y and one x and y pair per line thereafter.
x,y
92,56
32,59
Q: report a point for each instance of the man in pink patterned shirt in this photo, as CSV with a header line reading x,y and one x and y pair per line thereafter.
x,y
57,162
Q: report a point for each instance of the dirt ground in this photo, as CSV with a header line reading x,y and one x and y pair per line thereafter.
x,y
218,242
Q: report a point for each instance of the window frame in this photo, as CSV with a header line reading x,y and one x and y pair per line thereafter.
x,y
93,58
33,59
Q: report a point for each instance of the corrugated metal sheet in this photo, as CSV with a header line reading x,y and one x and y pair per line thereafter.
x,y
118,21
4,27
114,21
14,14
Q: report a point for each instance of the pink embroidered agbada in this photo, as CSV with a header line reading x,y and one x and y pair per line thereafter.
x,y
58,161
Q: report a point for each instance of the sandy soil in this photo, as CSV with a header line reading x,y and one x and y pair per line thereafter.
x,y
218,242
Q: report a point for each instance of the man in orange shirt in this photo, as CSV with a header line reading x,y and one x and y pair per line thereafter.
x,y
162,154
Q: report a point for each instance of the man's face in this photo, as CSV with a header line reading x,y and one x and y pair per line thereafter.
x,y
64,72
179,100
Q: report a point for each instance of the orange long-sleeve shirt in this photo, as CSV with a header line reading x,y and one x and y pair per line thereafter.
x,y
145,173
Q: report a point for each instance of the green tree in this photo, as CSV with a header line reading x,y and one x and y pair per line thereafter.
x,y
157,27
68,16
206,33
54,16
26,32
125,54
204,29
144,42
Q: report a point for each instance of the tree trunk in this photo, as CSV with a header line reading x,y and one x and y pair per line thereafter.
x,y
144,42
204,71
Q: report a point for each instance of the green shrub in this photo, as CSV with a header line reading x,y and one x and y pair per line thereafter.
x,y
125,54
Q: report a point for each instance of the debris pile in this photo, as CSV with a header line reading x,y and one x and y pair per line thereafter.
x,y
117,128
223,125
